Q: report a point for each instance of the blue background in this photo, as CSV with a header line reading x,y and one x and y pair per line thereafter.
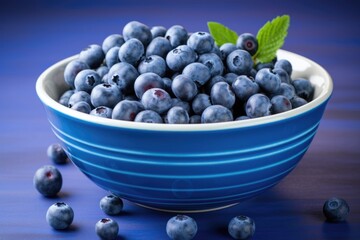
x,y
36,34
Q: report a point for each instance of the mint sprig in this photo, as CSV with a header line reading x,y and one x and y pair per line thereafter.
x,y
221,33
270,37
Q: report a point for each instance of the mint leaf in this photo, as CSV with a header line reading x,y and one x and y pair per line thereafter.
x,y
222,34
270,38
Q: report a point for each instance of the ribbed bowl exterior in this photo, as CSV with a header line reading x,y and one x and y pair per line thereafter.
x,y
175,170
186,171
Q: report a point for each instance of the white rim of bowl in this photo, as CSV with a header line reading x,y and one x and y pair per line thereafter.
x,y
324,95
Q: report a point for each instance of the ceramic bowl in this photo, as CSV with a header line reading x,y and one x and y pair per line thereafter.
x,y
197,167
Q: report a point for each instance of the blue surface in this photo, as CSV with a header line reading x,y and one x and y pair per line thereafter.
x,y
39,33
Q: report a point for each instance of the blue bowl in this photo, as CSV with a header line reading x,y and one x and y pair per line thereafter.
x,y
195,167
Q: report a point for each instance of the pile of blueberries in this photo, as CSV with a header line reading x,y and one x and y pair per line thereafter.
x,y
48,181
159,75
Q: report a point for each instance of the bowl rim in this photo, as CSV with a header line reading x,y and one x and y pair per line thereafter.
x,y
53,104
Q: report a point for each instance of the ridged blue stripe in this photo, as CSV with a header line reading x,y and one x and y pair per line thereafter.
x,y
192,163
182,155
186,190
219,175
190,201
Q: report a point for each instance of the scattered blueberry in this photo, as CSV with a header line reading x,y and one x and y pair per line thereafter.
x,y
181,227
336,209
57,154
60,216
241,227
111,205
107,229
48,180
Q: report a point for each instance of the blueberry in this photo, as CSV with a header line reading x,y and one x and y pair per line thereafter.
x,y
242,118
216,50
268,80
156,99
210,83
213,62
123,75
102,111
158,31
184,88
284,64
185,105
102,71
113,40
131,51
57,154
239,62
230,77
80,96
260,65
167,85
197,72
93,56
159,46
303,88
195,119
226,49
181,227
248,42
177,115
154,64
146,81
111,205
336,209
60,216
127,110
112,56
105,94
282,74
177,35
280,104
287,90
201,42
86,80
107,229
258,105
297,101
64,98
72,69
241,227
148,116
180,57
216,113
48,180
221,94
244,87
200,103
137,30
82,106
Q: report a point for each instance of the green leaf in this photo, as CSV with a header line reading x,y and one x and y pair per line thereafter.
x,y
270,38
222,34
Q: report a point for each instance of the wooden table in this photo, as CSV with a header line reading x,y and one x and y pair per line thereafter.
x,y
36,34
